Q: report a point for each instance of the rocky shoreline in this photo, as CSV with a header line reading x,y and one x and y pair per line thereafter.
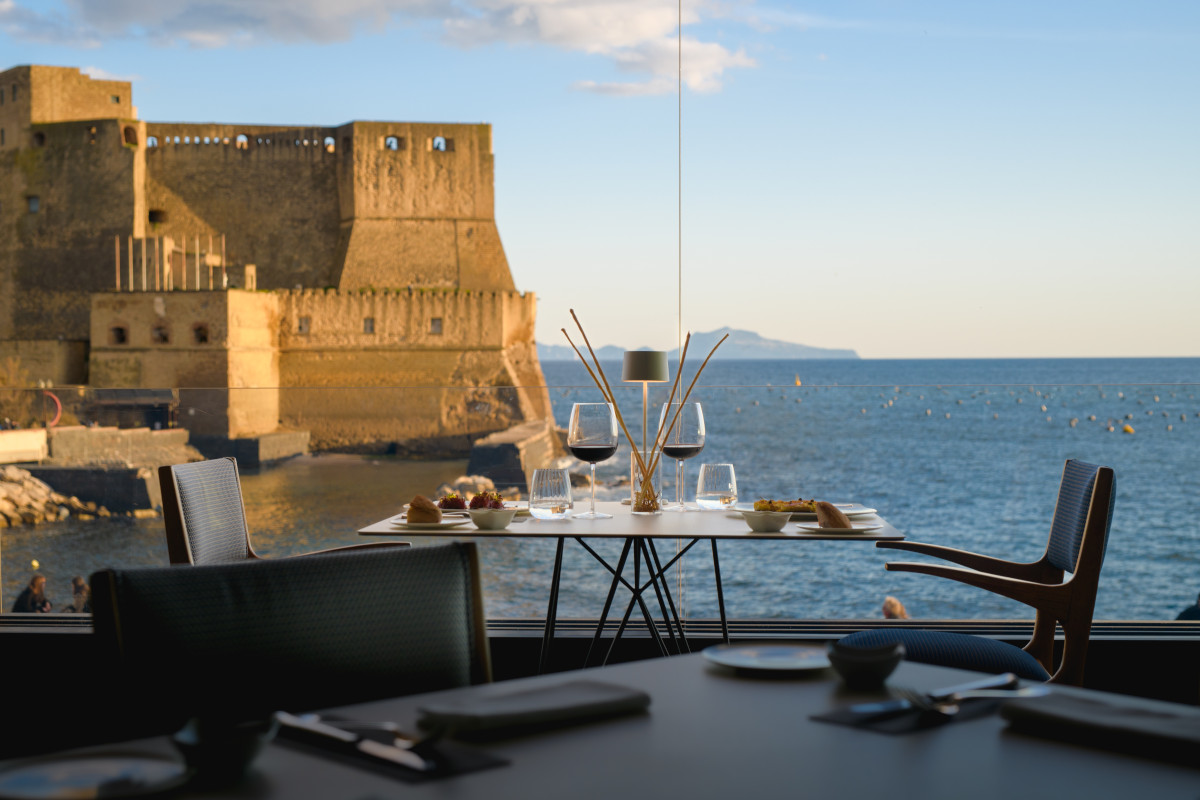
x,y
25,500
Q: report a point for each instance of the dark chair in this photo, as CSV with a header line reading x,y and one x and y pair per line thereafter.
x,y
245,639
1078,538
205,518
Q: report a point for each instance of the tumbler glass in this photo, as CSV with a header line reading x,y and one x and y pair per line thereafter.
x,y
550,494
716,487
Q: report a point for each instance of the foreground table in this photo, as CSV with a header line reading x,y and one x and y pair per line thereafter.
x,y
711,734
639,533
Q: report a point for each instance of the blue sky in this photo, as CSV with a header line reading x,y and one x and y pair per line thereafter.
x,y
908,179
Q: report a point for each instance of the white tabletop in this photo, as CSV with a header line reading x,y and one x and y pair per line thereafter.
x,y
667,525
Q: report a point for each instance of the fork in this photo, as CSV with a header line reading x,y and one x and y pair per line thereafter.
x,y
950,704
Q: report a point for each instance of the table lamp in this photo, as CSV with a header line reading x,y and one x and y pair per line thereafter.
x,y
644,367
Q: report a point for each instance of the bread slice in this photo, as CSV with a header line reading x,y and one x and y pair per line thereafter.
x,y
830,516
422,509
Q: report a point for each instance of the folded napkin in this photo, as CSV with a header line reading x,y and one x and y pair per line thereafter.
x,y
517,713
1127,725
911,720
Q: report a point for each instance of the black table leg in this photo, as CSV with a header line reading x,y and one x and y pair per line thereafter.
x,y
655,577
674,613
612,591
720,593
552,609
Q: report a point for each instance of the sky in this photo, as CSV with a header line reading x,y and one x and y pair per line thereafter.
x,y
920,179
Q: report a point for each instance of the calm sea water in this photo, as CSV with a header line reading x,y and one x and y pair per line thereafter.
x,y
961,453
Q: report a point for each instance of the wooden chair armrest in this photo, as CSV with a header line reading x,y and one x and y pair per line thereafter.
x,y
993,566
1053,598
354,547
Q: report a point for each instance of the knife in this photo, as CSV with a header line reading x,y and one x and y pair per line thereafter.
x,y
1005,680
321,735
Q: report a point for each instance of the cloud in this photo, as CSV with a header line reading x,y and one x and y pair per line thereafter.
x,y
636,36
101,74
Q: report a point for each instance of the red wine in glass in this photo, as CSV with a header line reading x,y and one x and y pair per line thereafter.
x,y
684,440
592,437
594,454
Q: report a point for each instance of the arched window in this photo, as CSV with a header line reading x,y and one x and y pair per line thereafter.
x,y
224,140
206,141
329,144
243,141
39,139
439,143
151,141
130,134
392,143
160,334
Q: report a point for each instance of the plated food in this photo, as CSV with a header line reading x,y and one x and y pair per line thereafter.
x,y
792,506
423,510
830,516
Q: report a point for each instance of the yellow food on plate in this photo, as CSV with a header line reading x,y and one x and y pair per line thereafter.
x,y
785,505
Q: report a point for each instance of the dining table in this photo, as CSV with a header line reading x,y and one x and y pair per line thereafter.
x,y
714,732
639,568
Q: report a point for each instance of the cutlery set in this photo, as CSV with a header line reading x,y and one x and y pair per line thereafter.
x,y
948,700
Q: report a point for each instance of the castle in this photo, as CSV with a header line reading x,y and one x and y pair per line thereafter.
x,y
276,276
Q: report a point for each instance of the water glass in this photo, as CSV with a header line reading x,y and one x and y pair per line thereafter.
x,y
717,486
550,494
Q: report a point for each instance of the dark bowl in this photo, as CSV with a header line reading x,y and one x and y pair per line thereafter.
x,y
219,751
865,667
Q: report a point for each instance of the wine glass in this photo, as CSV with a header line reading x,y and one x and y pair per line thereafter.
x,y
592,437
685,439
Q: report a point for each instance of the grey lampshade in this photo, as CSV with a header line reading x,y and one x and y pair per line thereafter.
x,y
645,365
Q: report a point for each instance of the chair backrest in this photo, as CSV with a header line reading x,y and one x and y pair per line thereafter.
x,y
1075,494
1078,542
249,638
203,513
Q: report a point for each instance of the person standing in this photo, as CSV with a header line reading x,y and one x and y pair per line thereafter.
x,y
32,599
1191,612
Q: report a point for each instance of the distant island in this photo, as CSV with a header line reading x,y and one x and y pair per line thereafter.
x,y
740,344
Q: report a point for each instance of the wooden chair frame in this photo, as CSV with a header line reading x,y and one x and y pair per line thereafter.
x,y
1069,602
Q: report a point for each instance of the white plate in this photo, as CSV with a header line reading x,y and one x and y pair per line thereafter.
x,y
849,509
768,657
858,527
428,526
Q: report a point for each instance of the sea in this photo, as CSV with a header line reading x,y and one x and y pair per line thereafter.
x,y
962,453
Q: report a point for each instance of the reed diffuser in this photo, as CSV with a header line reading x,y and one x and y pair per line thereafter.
x,y
645,496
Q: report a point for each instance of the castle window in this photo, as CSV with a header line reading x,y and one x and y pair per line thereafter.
x,y
91,134
116,99
368,324
160,334
176,140
151,141
442,144
118,334
187,140
200,333
393,143
243,142
225,140
206,140
157,216
39,139
330,145
435,326
131,135
35,203
303,325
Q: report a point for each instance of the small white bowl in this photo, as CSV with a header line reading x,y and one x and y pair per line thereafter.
x,y
766,521
492,519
